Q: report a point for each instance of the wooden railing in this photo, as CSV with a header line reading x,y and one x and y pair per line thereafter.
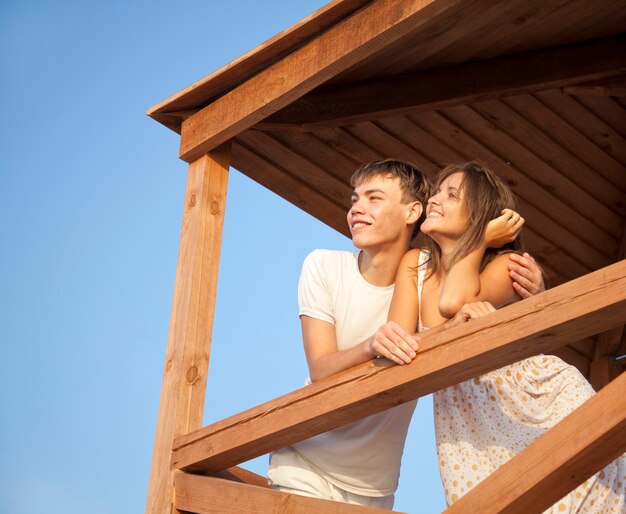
x,y
583,307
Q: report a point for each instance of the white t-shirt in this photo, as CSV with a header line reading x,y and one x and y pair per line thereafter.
x,y
362,457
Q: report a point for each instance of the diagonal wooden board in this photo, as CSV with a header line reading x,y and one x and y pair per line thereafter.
x,y
582,307
557,462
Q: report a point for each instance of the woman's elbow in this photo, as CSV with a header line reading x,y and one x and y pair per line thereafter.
x,y
450,306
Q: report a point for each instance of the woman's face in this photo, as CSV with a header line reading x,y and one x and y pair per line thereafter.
x,y
446,214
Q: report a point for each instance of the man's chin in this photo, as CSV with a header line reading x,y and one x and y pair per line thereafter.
x,y
361,243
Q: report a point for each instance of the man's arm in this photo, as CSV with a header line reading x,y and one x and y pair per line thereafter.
x,y
320,346
526,275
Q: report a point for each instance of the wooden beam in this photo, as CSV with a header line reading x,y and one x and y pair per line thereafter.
x,y
173,110
558,461
580,308
208,495
454,85
243,476
613,86
187,356
372,28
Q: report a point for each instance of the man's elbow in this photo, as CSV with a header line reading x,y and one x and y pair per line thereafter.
x,y
317,373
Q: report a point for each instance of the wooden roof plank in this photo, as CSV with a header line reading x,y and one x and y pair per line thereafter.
x,y
266,146
474,146
560,160
367,31
421,53
296,191
375,137
347,144
557,462
463,83
407,131
173,110
209,495
594,302
512,150
558,266
571,20
587,123
419,45
606,109
515,27
569,137
320,152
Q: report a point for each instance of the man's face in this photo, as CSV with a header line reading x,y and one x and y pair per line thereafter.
x,y
377,218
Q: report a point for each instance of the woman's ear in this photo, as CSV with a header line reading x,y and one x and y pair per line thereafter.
x,y
414,212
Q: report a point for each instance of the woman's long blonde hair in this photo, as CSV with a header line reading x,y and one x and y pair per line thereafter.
x,y
485,195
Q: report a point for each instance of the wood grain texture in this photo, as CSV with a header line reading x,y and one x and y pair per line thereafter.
x,y
173,110
580,308
187,356
557,462
375,26
243,476
464,83
208,495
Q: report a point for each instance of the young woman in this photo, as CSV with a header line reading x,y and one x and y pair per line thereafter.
x,y
471,225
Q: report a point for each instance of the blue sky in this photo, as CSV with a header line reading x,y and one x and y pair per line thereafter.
x,y
92,195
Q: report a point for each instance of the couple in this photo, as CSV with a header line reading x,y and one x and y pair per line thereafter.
x,y
348,317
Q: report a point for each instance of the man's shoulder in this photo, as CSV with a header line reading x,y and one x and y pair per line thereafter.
x,y
331,256
330,266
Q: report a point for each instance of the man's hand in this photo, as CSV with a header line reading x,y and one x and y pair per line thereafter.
x,y
471,311
394,343
526,275
504,229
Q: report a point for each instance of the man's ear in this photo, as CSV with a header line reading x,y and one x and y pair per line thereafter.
x,y
414,212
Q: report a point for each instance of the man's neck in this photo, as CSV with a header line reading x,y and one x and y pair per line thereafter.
x,y
379,268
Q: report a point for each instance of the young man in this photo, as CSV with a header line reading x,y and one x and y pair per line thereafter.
x,y
344,298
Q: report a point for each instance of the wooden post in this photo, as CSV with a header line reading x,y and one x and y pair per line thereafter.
x,y
191,323
601,372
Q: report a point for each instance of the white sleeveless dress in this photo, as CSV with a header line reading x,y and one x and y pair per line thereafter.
x,y
481,423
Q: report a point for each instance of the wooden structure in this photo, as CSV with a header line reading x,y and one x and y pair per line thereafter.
x,y
535,88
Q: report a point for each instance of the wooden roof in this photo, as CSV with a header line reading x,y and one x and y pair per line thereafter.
x,y
534,88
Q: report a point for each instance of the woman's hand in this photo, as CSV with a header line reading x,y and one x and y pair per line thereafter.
x,y
471,311
504,229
